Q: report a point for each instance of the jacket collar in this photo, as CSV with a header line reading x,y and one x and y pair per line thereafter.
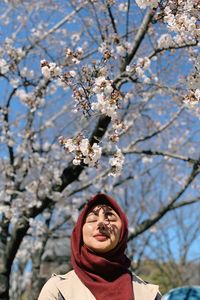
x,y
141,289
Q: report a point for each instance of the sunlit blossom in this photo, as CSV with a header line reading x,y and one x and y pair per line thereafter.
x,y
146,3
116,162
82,150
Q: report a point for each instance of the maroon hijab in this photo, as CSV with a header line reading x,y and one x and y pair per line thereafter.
x,y
106,275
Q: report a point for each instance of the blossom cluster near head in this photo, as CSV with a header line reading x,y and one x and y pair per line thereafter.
x,y
89,155
84,152
116,162
107,97
50,70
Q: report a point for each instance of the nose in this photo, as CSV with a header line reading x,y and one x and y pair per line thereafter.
x,y
101,225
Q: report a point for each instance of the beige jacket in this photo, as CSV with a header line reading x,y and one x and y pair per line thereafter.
x,y
69,287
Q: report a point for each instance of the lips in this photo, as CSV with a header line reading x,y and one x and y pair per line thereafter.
x,y
101,237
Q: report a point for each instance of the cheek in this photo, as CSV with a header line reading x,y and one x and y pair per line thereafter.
x,y
117,231
87,231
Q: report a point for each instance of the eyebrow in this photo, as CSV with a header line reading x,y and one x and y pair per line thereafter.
x,y
93,212
106,212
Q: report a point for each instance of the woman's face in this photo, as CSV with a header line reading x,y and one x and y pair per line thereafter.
x,y
101,230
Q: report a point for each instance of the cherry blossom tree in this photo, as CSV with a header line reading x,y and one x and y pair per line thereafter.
x,y
95,96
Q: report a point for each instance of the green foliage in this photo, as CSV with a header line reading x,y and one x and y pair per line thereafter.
x,y
167,275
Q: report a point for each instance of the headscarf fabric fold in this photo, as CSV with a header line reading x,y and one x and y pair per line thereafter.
x,y
105,275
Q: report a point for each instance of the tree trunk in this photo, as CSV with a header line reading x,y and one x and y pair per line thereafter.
x,y
4,276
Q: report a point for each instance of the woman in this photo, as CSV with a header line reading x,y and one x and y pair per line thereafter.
x,y
100,267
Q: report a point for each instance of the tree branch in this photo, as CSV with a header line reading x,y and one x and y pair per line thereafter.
x,y
140,228
161,153
138,38
159,130
112,19
156,51
127,19
97,20
185,203
57,26
19,231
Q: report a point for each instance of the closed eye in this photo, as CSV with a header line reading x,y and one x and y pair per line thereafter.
x,y
111,217
91,218
91,221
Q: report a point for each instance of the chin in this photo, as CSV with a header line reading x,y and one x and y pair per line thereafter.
x,y
102,250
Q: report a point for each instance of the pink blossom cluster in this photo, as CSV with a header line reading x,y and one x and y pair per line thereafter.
x,y
123,48
4,66
10,56
123,6
34,99
107,97
73,57
50,70
167,40
83,151
181,17
146,3
143,64
192,98
116,162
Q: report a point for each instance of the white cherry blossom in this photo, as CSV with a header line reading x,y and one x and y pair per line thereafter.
x,y
145,3
116,162
123,7
4,67
121,50
197,94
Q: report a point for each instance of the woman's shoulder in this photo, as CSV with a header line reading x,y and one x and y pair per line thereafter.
x,y
67,286
51,290
145,289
